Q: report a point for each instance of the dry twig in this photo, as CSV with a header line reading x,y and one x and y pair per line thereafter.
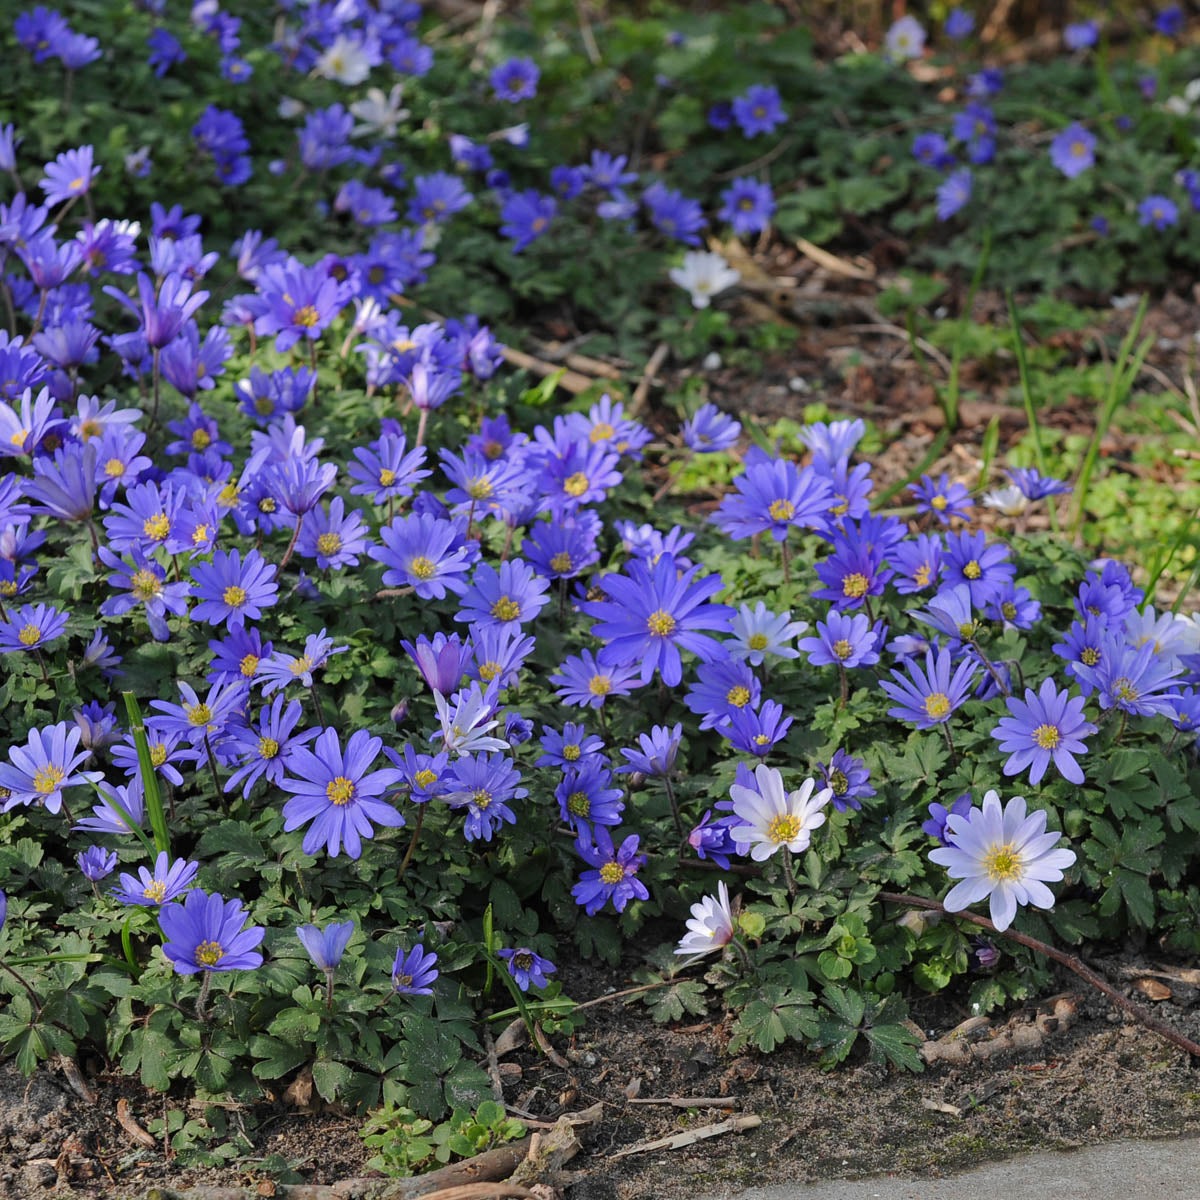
x,y
689,1137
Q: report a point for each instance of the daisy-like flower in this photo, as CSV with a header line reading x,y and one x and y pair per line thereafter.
x,y
950,613
208,933
143,581
944,499
333,538
167,881
982,567
928,697
1034,485
23,429
723,688
483,784
658,750
69,175
573,747
442,662
31,627
281,669
338,792
466,718
232,590
1131,678
107,819
585,798
653,613
710,927
1047,726
387,469
414,971
772,495
379,114
583,682
509,597
772,818
613,875
527,967
425,553
326,946
1002,853
846,777
905,39
1007,501
96,863
195,719
266,751
709,430
703,274
756,732
938,813
37,772
844,640
758,632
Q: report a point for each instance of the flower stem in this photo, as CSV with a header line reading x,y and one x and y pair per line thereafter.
x,y
157,388
1071,961
991,669
674,804
412,843
788,877
845,684
674,475
949,739
212,766
318,705
328,990
787,566
287,554
37,1004
202,999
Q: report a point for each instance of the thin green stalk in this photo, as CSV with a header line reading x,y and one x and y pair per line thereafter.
x,y
1124,372
987,451
931,456
950,396
1039,454
1161,563
154,804
126,816
489,942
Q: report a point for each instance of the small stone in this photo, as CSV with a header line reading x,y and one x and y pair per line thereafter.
x,y
39,1175
797,384
712,361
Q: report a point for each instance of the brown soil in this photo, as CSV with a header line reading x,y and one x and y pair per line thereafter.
x,y
1101,1080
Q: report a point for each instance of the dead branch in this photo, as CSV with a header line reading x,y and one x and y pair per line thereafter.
x,y
689,1137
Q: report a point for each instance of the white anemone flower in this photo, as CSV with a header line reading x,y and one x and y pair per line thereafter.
x,y
344,61
379,114
466,719
905,39
710,926
1010,501
1171,637
758,632
1181,106
775,818
1002,853
703,275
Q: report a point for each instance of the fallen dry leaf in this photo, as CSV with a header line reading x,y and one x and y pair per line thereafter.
x,y
1152,989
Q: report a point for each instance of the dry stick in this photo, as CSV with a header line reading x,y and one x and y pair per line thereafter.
x,y
643,388
1070,961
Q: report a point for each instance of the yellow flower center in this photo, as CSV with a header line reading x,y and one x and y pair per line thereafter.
x,y
387,477
30,635
738,696
843,649
146,585
301,666
660,623
921,576
201,439
268,747
561,563
198,714
579,804
612,872
602,431
1090,656
234,596
329,543
228,496
208,954
157,527
200,535
8,587
571,753
18,438
248,665
841,508
937,705
479,489
506,609
488,671
156,891
1047,736
966,630
855,585
158,754
421,567
600,685
783,829
781,510
838,782
114,468
1009,610
307,316
90,429
340,790
973,570
424,778
939,502
481,798
46,779
575,485
76,183
1002,862
1124,688
757,641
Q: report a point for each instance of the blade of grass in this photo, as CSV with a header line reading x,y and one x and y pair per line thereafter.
x,y
154,804
1121,379
931,456
514,990
1039,454
950,395
126,816
1186,589
489,947
987,451
1162,561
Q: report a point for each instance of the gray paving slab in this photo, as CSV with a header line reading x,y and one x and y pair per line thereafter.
x,y
1159,1170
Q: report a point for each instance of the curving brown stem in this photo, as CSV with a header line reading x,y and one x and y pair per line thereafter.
x,y
1071,961
287,554
412,844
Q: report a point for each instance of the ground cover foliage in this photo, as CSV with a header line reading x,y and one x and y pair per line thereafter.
x,y
382,677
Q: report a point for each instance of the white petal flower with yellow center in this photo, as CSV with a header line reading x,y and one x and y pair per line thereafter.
x,y
1003,853
775,819
710,926
703,274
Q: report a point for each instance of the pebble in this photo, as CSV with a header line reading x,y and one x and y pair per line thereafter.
x,y
712,361
37,1175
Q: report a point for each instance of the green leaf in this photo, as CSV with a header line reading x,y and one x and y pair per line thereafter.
x,y
670,1003
897,1044
330,1078
276,1058
774,1016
